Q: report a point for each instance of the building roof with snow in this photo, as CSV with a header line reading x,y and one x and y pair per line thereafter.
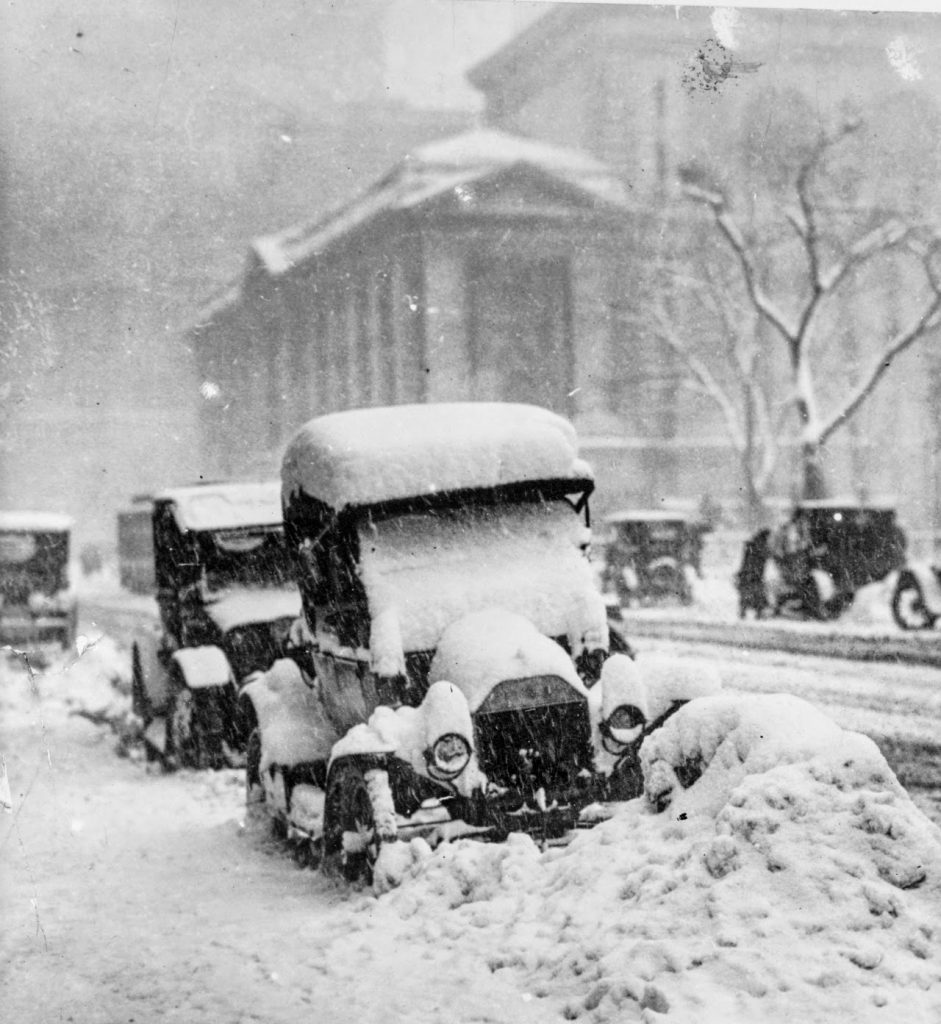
x,y
446,171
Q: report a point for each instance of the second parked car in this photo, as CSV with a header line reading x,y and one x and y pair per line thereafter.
x,y
227,602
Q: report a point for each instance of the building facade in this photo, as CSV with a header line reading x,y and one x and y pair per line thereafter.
x,y
475,269
528,261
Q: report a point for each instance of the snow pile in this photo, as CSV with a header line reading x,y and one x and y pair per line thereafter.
x,y
93,680
798,882
872,605
430,571
364,456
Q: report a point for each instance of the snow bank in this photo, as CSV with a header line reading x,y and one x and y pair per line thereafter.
x,y
364,456
716,741
812,893
92,680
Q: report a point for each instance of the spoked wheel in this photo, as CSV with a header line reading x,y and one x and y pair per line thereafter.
x,y
191,740
254,788
908,606
351,840
140,706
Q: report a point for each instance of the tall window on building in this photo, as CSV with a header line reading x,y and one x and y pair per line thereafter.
x,y
520,331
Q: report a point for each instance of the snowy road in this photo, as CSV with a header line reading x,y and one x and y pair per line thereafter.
x,y
880,699
131,895
136,896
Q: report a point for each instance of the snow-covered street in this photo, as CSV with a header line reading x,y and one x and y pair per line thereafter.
x,y
137,895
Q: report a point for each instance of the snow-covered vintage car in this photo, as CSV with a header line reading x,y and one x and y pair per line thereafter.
x,y
458,678
227,603
36,602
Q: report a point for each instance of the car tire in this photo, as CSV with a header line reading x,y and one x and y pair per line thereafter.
x,y
351,840
908,605
190,743
140,706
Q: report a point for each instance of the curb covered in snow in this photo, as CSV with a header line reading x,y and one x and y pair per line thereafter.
x,y
923,649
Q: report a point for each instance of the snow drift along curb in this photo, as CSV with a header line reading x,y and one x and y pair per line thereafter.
x,y
923,649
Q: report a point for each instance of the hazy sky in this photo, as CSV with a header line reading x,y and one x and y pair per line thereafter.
x,y
431,43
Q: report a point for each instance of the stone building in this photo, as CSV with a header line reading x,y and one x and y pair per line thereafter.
x,y
522,261
729,99
474,269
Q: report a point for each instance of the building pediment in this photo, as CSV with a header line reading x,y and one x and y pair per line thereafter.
x,y
476,173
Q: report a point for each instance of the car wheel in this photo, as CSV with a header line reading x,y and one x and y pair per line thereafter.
x,y
140,706
189,743
908,606
254,789
351,841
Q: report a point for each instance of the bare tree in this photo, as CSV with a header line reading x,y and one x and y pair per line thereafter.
x,y
830,260
730,376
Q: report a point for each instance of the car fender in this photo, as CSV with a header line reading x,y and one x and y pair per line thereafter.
x,y
202,667
289,716
407,734
149,645
926,575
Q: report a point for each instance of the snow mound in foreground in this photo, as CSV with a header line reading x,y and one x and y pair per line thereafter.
x,y
91,679
792,880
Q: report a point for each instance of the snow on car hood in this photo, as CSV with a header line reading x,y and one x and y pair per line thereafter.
x,y
365,456
424,572
242,605
488,647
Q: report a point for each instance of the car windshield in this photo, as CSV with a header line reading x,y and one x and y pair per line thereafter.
x,y
31,563
429,569
244,558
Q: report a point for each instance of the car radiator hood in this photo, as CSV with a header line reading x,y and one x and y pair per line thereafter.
x,y
484,649
242,606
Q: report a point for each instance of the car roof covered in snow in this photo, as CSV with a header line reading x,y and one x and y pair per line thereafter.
x,y
846,504
34,522
370,456
225,506
658,515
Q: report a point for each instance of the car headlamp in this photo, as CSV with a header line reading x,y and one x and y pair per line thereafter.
x,y
448,756
622,727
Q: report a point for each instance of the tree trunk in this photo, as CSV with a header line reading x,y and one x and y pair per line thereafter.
x,y
814,483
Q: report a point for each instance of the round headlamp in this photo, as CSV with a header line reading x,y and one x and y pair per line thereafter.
x,y
448,757
622,727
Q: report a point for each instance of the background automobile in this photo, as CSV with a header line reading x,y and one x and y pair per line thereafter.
x,y
36,602
651,555
458,679
815,562
227,601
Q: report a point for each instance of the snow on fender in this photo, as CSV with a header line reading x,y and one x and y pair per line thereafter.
x,y
411,734
670,682
707,748
290,718
202,667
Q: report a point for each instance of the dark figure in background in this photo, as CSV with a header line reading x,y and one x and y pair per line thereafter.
x,y
750,577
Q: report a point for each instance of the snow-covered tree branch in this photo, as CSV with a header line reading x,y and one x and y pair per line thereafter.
x,y
837,244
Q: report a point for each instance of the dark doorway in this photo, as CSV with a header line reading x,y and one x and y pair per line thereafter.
x,y
520,331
